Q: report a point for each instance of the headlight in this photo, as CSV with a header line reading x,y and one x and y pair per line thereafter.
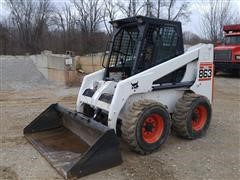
x,y
237,57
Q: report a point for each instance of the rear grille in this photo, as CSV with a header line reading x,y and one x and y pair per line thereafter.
x,y
222,55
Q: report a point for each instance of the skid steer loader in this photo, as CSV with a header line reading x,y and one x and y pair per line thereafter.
x,y
148,85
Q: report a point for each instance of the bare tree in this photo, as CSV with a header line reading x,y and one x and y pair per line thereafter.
x,y
131,7
31,18
89,14
216,14
158,8
191,38
236,19
179,12
4,38
37,25
89,18
109,14
65,21
149,6
168,9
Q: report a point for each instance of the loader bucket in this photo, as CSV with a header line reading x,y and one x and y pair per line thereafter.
x,y
72,143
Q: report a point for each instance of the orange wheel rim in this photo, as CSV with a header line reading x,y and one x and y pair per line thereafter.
x,y
152,128
200,118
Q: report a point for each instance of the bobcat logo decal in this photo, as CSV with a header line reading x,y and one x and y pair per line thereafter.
x,y
135,85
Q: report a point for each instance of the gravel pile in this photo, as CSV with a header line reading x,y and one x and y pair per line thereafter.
x,y
19,72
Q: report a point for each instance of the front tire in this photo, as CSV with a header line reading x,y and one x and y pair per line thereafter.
x,y
192,116
146,126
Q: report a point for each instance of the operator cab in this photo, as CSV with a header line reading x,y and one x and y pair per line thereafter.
x,y
140,43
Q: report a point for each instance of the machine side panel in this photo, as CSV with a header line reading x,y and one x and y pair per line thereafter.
x,y
142,82
205,73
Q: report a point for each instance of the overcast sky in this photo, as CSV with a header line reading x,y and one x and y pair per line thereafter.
x,y
192,25
195,18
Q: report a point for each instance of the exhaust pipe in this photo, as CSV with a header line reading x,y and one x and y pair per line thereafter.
x,y
72,143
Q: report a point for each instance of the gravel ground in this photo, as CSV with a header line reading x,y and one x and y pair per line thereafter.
x,y
215,156
19,73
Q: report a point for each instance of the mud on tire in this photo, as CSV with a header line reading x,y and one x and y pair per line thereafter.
x,y
146,126
192,116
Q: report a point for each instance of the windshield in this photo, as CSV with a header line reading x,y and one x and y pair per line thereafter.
x,y
232,40
124,47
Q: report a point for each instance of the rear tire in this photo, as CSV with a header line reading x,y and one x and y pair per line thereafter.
x,y
192,116
146,126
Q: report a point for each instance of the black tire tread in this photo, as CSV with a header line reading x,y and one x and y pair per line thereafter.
x,y
179,122
130,122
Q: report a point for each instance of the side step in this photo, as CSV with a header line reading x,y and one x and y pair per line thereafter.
x,y
73,144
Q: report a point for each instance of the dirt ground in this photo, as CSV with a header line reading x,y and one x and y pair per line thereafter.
x,y
215,156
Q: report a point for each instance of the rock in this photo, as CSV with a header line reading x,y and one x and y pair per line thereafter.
x,y
34,157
